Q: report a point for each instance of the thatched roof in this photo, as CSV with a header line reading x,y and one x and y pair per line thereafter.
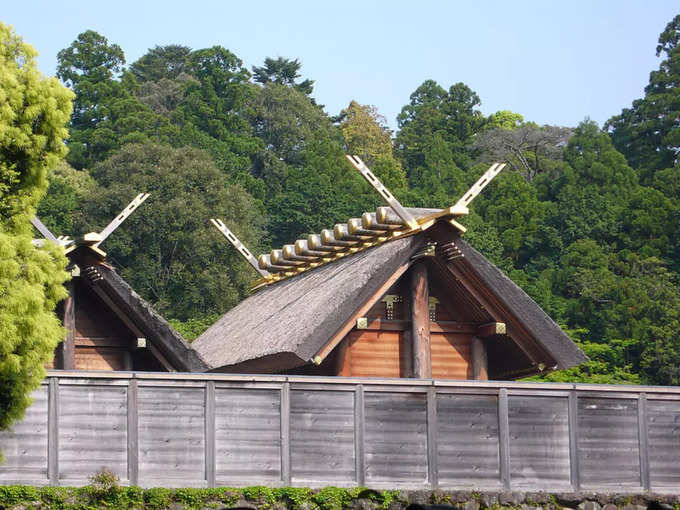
x,y
532,317
287,323
284,325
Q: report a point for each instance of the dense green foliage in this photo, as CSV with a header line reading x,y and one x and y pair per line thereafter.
x,y
585,220
104,492
648,133
33,115
185,266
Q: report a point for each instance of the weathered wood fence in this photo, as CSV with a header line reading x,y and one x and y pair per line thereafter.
x,y
222,430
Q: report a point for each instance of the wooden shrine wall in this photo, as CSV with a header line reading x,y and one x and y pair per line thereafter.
x,y
451,355
206,430
382,352
102,340
382,348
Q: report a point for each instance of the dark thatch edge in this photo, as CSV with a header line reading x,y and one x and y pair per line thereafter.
x,y
157,330
546,332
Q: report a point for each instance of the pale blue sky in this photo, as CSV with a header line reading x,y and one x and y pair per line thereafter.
x,y
553,62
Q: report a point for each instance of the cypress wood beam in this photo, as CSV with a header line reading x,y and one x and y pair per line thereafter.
x,y
480,365
68,349
420,321
491,329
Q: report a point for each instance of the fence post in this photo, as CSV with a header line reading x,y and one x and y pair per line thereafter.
x,y
504,439
359,428
132,433
432,464
285,433
573,442
642,441
53,431
210,433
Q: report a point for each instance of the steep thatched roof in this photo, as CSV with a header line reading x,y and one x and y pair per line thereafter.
x,y
284,325
532,317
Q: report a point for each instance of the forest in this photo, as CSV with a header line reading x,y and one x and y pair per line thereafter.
x,y
586,219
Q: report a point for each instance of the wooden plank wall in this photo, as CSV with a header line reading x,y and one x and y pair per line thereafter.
x,y
86,445
247,425
171,428
204,430
322,436
102,341
395,437
25,445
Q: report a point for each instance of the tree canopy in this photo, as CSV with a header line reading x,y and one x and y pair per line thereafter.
x,y
584,219
33,114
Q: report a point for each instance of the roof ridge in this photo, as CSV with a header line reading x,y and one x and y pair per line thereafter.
x,y
346,239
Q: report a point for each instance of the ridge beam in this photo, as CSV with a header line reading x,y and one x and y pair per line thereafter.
x,y
264,262
369,221
366,173
342,233
302,249
240,247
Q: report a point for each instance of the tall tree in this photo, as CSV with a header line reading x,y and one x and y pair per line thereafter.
x,y
89,67
452,114
366,135
527,148
209,115
309,185
282,71
435,139
648,133
593,189
167,250
32,131
107,114
161,62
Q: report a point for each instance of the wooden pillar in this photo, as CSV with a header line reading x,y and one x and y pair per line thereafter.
x,y
68,349
479,361
420,321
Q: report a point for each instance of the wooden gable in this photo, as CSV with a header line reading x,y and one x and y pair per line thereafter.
x,y
110,327
464,329
380,345
101,340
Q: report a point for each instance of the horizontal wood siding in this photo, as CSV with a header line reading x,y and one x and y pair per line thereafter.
x,y
100,358
87,446
664,443
102,341
374,354
395,437
467,440
171,433
608,442
384,353
451,356
25,445
539,441
322,436
197,430
247,435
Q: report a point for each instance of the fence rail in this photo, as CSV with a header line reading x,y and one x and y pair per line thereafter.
x,y
205,430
